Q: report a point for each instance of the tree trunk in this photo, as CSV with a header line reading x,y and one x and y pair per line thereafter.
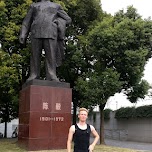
x,y
6,120
5,130
74,112
102,124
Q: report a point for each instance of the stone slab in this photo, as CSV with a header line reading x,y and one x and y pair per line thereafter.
x,y
44,117
46,83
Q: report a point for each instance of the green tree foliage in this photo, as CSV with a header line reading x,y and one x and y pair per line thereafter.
x,y
121,44
13,58
8,88
84,13
131,112
98,87
138,91
11,16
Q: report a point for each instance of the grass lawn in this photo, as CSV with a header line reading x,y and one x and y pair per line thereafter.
x,y
9,145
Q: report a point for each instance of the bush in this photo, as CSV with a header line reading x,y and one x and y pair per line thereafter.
x,y
144,111
125,113
131,112
107,113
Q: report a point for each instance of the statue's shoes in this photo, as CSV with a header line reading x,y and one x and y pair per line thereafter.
x,y
31,78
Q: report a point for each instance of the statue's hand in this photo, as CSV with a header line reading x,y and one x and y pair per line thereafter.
x,y
22,40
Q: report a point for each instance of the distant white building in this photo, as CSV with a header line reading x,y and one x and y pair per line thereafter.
x,y
10,127
120,100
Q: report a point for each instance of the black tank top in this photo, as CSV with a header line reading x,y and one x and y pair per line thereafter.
x,y
82,139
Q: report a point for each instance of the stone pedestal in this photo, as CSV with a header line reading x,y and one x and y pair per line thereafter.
x,y
44,115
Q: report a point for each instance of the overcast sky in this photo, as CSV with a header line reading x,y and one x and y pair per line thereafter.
x,y
144,8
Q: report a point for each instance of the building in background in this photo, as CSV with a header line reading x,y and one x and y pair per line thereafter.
x,y
11,126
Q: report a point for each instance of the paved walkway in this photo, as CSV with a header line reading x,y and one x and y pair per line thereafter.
x,y
141,147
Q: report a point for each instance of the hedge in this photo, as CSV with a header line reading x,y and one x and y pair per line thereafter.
x,y
131,112
107,113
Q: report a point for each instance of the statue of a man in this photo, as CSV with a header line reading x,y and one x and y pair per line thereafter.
x,y
47,22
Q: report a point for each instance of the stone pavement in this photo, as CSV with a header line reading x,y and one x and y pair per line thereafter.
x,y
141,147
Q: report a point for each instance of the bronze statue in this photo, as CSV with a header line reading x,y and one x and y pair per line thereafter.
x,y
47,23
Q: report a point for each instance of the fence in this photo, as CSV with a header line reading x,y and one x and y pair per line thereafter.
x,y
139,129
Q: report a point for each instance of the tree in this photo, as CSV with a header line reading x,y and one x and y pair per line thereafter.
x,y
84,14
13,61
12,14
97,89
11,17
8,88
121,44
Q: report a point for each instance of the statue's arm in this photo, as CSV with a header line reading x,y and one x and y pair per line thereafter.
x,y
26,24
64,15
